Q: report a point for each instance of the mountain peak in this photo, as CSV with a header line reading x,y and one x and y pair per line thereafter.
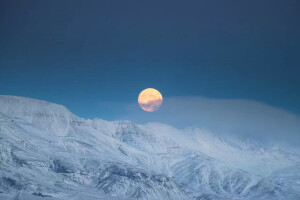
x,y
12,103
47,116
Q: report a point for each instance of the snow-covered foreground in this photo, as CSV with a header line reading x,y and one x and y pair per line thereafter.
x,y
46,152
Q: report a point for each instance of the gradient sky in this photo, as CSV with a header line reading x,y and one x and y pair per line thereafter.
x,y
95,56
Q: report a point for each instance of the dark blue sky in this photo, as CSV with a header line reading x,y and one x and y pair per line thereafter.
x,y
87,54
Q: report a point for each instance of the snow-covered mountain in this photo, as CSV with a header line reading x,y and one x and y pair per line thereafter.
x,y
47,152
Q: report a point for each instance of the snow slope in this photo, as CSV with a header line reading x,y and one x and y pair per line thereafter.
x,y
46,152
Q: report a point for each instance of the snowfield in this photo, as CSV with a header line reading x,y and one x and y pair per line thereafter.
x,y
47,152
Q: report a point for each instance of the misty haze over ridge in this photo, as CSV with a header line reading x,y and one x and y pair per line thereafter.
x,y
47,139
239,118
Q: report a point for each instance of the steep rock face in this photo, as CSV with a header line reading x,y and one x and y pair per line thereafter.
x,y
46,152
117,179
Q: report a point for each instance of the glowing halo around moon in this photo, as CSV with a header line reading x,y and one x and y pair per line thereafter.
x,y
150,99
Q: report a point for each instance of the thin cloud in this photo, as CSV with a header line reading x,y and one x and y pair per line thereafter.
x,y
242,118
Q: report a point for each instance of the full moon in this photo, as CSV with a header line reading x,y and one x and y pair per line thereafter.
x,y
150,99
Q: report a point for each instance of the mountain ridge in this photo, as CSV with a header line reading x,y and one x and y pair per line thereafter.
x,y
120,159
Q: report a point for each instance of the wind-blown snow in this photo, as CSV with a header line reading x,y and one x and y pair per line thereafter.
x,y
46,152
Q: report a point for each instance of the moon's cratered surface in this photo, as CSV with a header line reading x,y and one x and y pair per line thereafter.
x,y
150,99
